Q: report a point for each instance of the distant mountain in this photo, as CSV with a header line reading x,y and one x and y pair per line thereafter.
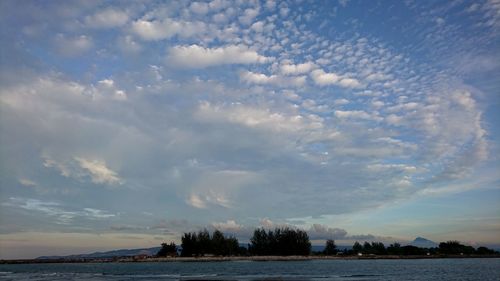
x,y
423,243
109,254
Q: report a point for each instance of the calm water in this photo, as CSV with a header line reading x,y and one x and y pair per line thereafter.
x,y
442,269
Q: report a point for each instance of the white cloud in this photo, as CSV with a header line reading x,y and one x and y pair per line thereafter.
x,y
195,56
258,78
128,45
394,119
74,45
98,171
377,104
27,182
228,226
259,118
158,30
374,77
262,79
107,18
257,26
200,8
61,213
349,83
341,101
248,16
195,201
323,78
79,168
107,88
96,213
356,114
404,107
464,99
392,167
343,3
293,69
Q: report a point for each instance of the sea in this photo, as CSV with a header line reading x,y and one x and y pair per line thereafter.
x,y
415,269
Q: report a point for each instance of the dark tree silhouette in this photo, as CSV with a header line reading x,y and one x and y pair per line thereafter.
x,y
281,241
189,245
200,244
394,249
484,251
455,248
204,243
259,243
357,248
167,250
330,248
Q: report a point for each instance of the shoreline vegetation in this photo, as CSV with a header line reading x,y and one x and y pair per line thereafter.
x,y
280,244
240,259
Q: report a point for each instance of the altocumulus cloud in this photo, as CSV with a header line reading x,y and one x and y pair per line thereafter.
x,y
227,115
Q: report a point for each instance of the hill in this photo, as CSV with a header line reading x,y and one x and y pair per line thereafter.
x,y
108,254
423,243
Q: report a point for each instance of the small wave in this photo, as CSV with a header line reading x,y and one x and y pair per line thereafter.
x,y
143,275
203,277
361,275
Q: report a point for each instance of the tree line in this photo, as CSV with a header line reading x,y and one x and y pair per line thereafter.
x,y
444,248
280,242
288,241
201,244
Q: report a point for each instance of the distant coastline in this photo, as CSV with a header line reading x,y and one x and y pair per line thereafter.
x,y
241,258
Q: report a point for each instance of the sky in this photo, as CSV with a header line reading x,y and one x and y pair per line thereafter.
x,y
124,124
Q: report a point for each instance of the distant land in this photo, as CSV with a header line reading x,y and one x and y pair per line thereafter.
x,y
418,242
423,243
108,254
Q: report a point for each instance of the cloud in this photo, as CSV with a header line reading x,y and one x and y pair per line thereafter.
x,y
258,118
196,201
323,78
294,69
356,114
107,88
128,45
248,16
27,182
195,56
218,188
230,226
199,8
79,168
341,101
98,171
320,232
258,78
107,18
56,210
262,79
208,144
73,45
156,30
375,77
